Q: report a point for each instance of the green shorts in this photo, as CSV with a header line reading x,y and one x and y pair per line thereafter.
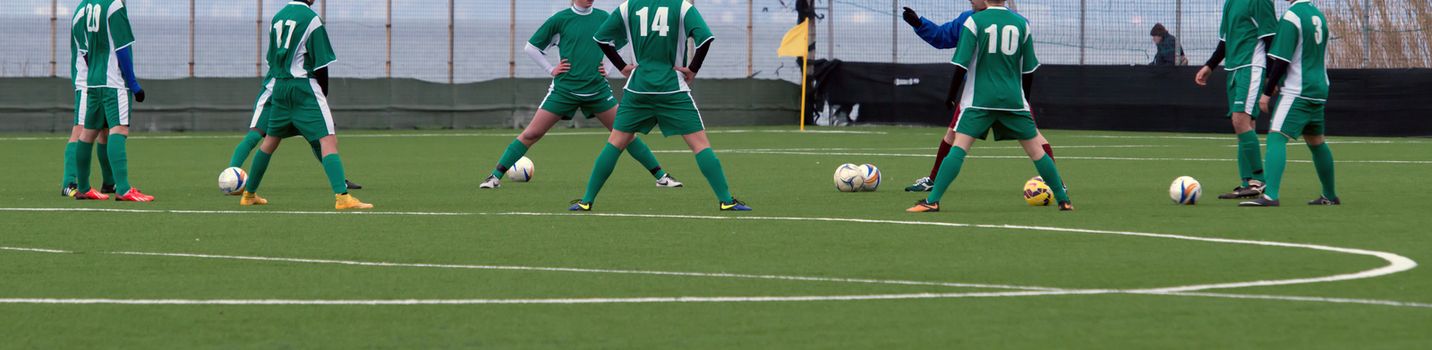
x,y
1016,125
261,109
1295,117
79,117
298,110
1245,86
675,113
566,104
104,108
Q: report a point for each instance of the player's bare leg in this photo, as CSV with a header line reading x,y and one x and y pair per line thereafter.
x,y
1250,162
638,150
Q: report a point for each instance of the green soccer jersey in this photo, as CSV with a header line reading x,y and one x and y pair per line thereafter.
x,y
1302,41
569,30
106,31
1244,23
997,50
298,43
648,26
79,34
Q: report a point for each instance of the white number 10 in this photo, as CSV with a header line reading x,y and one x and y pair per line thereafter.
x,y
658,24
1007,43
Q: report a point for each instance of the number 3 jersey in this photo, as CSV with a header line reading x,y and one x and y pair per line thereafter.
x,y
996,49
298,43
1302,41
657,31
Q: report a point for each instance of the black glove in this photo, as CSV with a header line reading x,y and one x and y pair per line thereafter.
x,y
911,17
139,96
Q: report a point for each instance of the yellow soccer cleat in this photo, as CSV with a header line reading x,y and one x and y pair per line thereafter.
x,y
250,198
348,202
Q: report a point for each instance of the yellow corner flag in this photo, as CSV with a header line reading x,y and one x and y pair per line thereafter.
x,y
796,41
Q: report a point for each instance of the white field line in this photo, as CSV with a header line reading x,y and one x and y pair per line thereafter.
x,y
1062,157
1396,263
35,250
238,135
1222,138
588,270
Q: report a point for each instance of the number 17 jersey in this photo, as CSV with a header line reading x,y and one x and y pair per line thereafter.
x,y
657,31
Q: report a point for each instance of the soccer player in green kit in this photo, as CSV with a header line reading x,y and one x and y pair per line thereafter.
x,y
994,71
578,83
1244,36
258,127
657,90
1298,68
79,76
298,57
109,82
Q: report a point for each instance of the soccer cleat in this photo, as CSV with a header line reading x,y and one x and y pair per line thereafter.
x,y
70,190
348,202
734,205
1262,201
91,195
352,185
250,198
924,207
1323,200
666,181
578,205
921,185
1253,190
134,196
107,188
492,182
1066,206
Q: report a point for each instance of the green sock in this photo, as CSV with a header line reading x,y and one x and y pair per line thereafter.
x,y
333,166
642,153
257,170
317,150
84,152
606,161
1323,161
1277,163
241,152
106,171
515,151
949,169
119,162
1250,162
1046,169
69,177
711,168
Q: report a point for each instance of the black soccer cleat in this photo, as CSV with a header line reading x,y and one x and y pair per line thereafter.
x,y
70,190
1263,201
1253,190
106,188
734,205
352,185
1323,200
1066,206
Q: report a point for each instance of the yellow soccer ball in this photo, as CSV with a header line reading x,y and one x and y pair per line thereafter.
x,y
1037,193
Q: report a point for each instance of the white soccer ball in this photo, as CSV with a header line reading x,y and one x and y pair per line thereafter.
x,y
849,178
232,180
1185,190
872,178
521,171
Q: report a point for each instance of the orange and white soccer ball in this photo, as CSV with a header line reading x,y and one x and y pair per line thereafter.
x,y
872,178
232,181
1185,191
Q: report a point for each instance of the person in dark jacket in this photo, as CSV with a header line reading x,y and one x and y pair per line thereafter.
x,y
1169,53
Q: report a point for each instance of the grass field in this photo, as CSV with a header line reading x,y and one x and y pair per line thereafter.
x,y
440,264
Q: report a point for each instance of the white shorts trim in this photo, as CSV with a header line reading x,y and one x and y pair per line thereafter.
x,y
82,109
122,96
323,106
1255,88
1280,115
259,104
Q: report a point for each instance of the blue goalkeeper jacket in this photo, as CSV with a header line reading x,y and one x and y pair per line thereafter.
x,y
944,36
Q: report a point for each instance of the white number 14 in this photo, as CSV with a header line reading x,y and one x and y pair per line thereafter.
x,y
658,24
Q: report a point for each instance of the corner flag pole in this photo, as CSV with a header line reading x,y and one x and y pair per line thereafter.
x,y
805,72
796,43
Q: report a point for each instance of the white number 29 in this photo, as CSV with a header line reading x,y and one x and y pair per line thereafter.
x,y
658,24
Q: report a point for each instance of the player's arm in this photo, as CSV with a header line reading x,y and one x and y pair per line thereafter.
x,y
1280,53
320,53
1218,54
964,55
611,36
697,30
537,46
123,38
945,36
321,76
1029,62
